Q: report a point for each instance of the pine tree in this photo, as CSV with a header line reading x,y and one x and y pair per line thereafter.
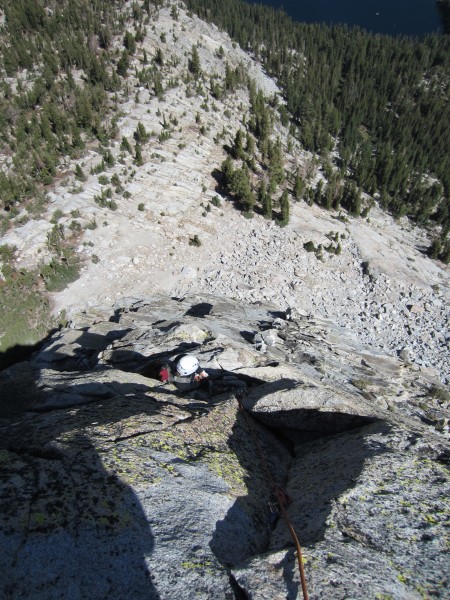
x,y
141,135
250,146
123,64
318,193
242,189
216,90
138,160
79,173
158,86
129,42
227,171
272,186
159,58
238,146
230,78
435,248
284,205
276,162
265,200
104,37
352,199
194,65
299,186
125,145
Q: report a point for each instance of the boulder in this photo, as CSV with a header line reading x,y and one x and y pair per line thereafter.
x,y
304,407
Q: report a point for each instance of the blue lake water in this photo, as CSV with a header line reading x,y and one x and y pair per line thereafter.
x,y
392,17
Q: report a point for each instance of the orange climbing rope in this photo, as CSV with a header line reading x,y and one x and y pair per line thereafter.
x,y
280,494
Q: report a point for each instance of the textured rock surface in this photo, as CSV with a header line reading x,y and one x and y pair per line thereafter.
x,y
114,485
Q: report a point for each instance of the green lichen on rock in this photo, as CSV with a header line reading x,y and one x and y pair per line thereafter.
x,y
113,464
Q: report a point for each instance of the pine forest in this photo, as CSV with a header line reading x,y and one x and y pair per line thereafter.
x,y
375,106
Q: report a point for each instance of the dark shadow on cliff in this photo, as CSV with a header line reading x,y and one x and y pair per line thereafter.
x,y
16,354
89,527
86,530
227,543
321,471
299,425
21,352
84,524
87,534
84,353
200,310
324,471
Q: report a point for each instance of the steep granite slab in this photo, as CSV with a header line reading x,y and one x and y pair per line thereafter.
x,y
113,482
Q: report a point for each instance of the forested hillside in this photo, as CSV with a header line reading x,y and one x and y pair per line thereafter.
x,y
79,79
374,106
56,71
381,102
59,74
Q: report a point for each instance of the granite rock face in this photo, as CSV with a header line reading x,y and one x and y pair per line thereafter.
x,y
114,485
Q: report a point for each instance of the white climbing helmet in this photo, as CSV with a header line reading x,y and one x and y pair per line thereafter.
x,y
187,365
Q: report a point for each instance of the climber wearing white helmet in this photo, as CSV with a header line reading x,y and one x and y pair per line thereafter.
x,y
184,372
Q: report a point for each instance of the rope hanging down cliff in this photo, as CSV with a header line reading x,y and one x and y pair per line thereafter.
x,y
277,489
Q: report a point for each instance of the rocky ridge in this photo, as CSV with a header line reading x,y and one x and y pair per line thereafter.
x,y
380,286
114,483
